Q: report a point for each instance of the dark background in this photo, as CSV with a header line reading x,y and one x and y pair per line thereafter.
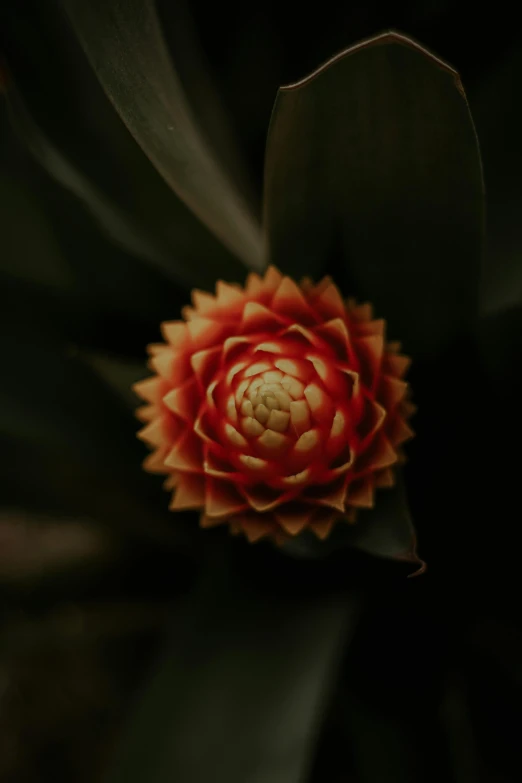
x,y
87,597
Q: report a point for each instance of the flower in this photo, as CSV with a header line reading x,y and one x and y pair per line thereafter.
x,y
275,408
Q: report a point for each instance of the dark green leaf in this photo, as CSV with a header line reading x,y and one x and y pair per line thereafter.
x,y
496,103
72,113
125,45
373,174
241,692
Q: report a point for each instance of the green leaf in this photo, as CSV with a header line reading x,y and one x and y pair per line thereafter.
x,y
241,691
71,113
373,174
497,109
384,531
126,47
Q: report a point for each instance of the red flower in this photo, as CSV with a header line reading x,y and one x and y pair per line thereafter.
x,y
275,408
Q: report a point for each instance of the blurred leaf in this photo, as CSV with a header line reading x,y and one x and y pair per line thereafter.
x,y
126,48
373,173
67,104
383,531
240,694
496,103
118,374
117,225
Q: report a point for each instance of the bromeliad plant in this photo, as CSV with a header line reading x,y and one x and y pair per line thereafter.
x,y
278,405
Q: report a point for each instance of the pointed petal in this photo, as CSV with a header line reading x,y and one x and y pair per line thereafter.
x,y
392,391
176,333
380,454
272,278
154,432
233,344
155,462
186,454
330,303
222,498
385,478
262,498
296,368
189,493
335,333
171,365
332,495
293,521
258,318
207,332
229,296
146,412
396,364
254,284
234,437
323,526
289,301
321,405
272,443
370,351
150,389
204,303
399,431
360,493
184,400
205,364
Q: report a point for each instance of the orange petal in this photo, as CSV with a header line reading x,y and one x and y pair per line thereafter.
x,y
155,462
299,417
229,296
360,493
184,400
293,522
370,351
189,493
204,303
258,318
254,284
154,432
206,332
332,495
321,405
363,312
205,521
323,526
380,454
385,478
232,343
296,368
205,364
272,278
399,431
150,389
253,526
147,412
171,365
222,499
396,364
335,333
186,454
392,391
176,333
263,498
330,303
289,301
